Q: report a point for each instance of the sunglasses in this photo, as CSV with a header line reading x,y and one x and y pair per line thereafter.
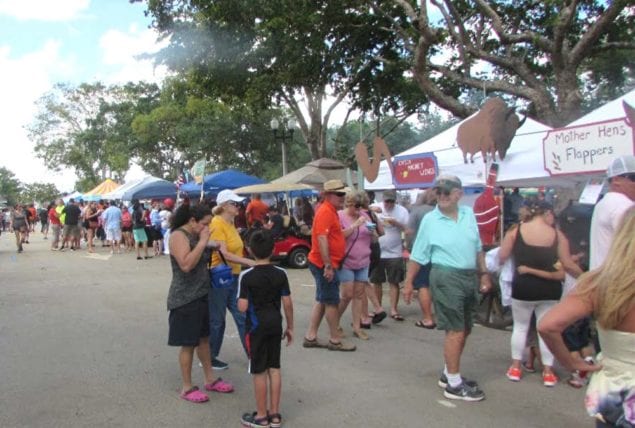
x,y
340,194
389,201
630,177
444,192
235,204
357,205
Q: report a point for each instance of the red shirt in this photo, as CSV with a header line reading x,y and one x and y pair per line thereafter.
x,y
54,217
256,211
327,222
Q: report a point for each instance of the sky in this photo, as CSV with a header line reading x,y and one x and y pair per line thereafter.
x,y
44,42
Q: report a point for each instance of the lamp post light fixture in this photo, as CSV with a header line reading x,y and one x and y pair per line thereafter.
x,y
283,134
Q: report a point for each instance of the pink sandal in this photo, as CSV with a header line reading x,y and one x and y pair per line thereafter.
x,y
195,396
219,385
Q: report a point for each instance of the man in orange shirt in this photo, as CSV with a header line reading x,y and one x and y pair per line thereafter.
x,y
256,210
327,251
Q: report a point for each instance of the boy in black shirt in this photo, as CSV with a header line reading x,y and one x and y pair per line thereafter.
x,y
260,290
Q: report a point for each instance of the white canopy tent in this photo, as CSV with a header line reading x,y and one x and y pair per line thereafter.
x,y
610,110
523,165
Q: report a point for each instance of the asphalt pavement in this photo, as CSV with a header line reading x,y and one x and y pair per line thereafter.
x,y
83,343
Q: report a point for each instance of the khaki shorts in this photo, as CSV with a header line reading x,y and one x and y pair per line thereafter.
x,y
455,297
71,230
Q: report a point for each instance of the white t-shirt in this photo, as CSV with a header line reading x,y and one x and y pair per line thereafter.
x,y
164,215
390,242
606,217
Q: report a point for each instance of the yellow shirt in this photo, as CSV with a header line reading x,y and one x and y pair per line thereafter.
x,y
221,230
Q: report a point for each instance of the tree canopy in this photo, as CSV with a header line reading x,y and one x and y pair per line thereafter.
x,y
298,53
552,54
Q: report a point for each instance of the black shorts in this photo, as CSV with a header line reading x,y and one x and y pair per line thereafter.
x,y
263,348
578,335
189,323
388,269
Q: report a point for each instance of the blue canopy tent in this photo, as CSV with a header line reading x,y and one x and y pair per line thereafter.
x,y
221,180
150,188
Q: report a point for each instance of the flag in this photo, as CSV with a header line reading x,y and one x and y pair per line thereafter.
x,y
180,180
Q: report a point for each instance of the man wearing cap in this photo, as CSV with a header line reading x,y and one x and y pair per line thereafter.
x,y
391,266
327,252
448,237
610,210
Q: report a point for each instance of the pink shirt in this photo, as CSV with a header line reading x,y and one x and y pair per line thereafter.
x,y
359,255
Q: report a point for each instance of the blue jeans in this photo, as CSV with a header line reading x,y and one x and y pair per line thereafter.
x,y
221,299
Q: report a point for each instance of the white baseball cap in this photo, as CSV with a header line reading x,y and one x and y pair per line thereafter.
x,y
621,165
226,196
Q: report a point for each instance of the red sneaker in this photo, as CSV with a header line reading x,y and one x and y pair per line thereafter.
x,y
514,374
549,379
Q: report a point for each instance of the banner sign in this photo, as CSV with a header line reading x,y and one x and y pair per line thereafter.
x,y
198,171
588,148
412,171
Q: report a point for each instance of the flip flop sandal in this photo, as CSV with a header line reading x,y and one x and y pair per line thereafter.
x,y
397,317
379,317
421,324
275,424
195,396
527,368
219,385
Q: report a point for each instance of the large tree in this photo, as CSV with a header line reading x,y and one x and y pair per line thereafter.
x,y
186,126
88,128
308,55
545,52
39,193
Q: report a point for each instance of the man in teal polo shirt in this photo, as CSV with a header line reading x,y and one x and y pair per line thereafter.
x,y
448,238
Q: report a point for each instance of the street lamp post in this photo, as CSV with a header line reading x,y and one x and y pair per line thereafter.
x,y
283,134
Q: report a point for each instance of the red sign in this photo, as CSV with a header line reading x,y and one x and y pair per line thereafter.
x,y
411,171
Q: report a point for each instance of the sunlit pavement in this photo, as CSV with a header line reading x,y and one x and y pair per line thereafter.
x,y
83,344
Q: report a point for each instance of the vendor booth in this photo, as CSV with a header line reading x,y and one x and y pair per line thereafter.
x,y
100,190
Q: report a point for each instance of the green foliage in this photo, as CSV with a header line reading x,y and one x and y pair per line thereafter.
x,y
42,193
260,52
10,187
88,128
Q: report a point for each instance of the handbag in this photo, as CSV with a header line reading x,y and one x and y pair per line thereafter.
x,y
221,276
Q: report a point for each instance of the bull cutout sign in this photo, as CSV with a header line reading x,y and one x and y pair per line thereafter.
x,y
490,131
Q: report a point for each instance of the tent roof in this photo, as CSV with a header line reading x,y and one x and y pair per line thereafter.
x,y
610,110
118,192
105,186
315,173
227,179
523,165
150,188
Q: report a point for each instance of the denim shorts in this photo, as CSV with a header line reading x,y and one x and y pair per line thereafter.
x,y
422,280
325,292
350,275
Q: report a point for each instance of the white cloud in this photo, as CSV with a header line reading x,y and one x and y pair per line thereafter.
x,y
43,10
22,81
122,50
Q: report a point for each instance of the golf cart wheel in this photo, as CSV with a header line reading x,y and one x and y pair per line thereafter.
x,y
299,258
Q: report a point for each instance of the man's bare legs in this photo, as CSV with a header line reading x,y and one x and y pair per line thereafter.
x,y
331,313
393,290
425,302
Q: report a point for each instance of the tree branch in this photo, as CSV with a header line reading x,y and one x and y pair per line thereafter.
x,y
586,42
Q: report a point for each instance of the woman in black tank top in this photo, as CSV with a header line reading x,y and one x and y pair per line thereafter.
x,y
537,283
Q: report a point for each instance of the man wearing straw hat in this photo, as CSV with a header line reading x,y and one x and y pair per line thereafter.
x,y
325,257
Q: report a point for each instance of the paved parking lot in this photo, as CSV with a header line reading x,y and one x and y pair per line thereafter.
x,y
83,343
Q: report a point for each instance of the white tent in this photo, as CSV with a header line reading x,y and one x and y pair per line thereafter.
x,y
610,110
523,165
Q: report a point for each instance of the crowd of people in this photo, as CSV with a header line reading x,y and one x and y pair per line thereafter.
x,y
357,245
77,224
